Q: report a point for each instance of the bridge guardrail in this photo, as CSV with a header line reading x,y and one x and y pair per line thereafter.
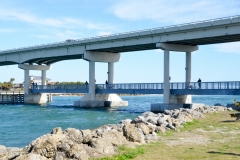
x,y
180,85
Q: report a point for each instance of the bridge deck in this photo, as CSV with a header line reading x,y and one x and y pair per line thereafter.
x,y
194,88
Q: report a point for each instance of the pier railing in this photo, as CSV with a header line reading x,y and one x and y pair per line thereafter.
x,y
180,85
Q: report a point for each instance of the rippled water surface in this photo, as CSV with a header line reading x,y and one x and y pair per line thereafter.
x,y
20,124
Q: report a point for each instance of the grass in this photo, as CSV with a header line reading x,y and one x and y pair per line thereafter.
x,y
126,153
215,137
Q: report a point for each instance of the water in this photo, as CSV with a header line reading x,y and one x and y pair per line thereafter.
x,y
20,124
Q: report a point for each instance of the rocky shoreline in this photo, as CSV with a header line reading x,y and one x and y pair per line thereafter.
x,y
77,144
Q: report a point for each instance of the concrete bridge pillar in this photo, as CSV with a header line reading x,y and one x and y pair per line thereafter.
x,y
174,101
43,77
91,80
33,98
26,81
188,69
110,72
100,100
166,90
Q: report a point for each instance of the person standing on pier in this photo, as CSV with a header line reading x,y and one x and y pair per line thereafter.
x,y
199,83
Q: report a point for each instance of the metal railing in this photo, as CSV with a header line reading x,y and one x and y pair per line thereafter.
x,y
180,85
119,34
59,87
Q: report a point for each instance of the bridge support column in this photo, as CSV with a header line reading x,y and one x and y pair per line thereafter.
x,y
26,81
100,100
174,101
91,90
43,77
166,90
110,72
188,69
30,98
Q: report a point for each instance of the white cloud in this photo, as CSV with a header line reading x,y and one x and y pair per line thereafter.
x,y
174,11
6,30
62,22
102,33
233,47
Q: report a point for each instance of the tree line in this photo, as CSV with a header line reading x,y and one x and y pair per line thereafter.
x,y
7,85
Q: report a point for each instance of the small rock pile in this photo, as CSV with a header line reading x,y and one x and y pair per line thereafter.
x,y
77,144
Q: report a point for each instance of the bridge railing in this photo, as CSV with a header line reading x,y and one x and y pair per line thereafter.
x,y
130,86
60,87
206,85
181,85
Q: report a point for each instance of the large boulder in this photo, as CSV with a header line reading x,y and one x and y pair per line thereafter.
x,y
13,152
131,133
47,145
143,127
74,134
3,153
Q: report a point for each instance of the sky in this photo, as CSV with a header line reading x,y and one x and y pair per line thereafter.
x,y
33,22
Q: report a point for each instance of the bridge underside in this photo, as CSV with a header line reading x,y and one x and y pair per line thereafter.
x,y
145,91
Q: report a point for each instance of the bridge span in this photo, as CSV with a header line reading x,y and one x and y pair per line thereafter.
x,y
180,38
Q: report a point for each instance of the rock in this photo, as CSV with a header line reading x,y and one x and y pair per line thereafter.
x,y
3,153
74,134
152,120
126,121
149,114
230,109
31,156
143,127
171,126
151,137
47,145
115,138
151,127
131,133
139,119
81,155
60,156
13,152
102,146
57,130
160,129
87,135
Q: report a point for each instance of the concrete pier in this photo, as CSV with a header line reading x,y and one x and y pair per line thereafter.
x,y
174,101
91,99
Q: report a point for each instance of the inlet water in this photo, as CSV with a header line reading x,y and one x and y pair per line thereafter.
x,y
20,124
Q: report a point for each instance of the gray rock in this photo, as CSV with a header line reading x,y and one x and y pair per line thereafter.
x,y
57,130
151,127
74,135
126,121
143,127
152,120
87,135
160,129
131,133
170,126
3,153
149,114
31,156
13,152
151,137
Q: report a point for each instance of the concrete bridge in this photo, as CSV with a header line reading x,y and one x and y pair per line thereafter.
x,y
181,38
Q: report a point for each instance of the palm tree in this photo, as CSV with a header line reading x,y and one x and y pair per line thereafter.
x,y
11,81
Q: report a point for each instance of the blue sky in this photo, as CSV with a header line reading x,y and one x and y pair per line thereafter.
x,y
28,22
